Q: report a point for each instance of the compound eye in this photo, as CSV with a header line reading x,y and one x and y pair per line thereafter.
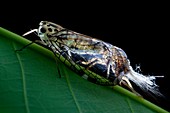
x,y
42,30
55,30
50,30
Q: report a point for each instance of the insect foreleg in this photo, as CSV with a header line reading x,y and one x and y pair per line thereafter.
x,y
25,46
40,42
36,41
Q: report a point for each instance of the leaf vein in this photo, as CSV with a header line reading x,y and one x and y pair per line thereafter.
x,y
72,93
23,80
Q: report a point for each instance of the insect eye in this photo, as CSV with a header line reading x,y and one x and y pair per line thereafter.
x,y
55,30
43,30
50,30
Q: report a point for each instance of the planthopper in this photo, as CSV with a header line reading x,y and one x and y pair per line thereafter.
x,y
95,60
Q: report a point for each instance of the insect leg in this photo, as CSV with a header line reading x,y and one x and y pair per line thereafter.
x,y
110,65
127,83
94,61
90,63
29,32
59,72
24,46
35,41
55,51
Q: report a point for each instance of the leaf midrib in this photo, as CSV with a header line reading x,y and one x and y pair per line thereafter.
x,y
23,80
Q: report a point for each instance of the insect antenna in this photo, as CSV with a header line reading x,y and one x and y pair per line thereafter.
x,y
27,33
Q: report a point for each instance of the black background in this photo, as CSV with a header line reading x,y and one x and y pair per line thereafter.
x,y
140,29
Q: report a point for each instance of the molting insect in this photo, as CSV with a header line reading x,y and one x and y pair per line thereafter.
x,y
93,59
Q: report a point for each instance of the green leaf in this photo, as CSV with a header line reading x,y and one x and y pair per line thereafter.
x,y
30,83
